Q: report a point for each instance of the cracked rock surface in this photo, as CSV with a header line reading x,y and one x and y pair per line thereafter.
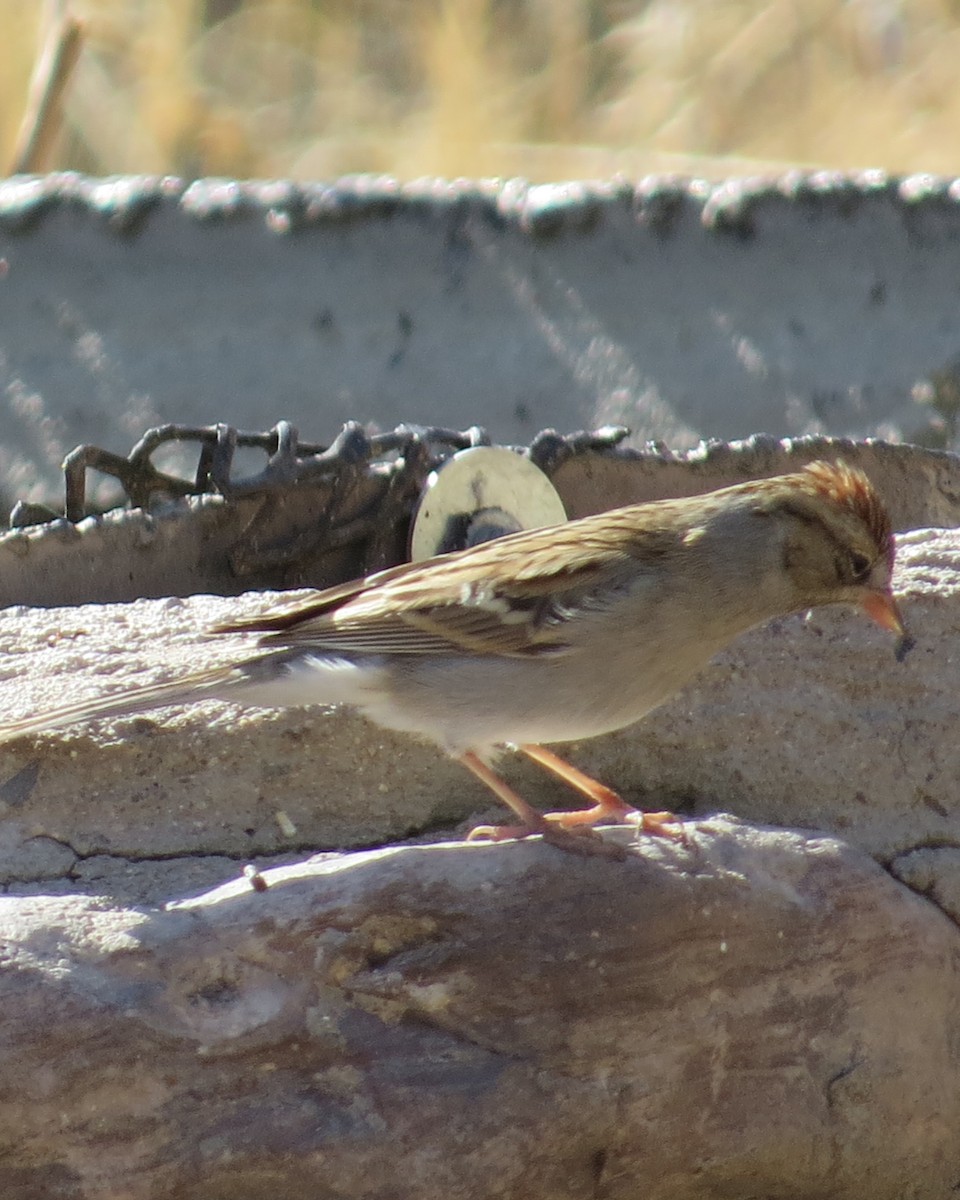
x,y
756,1013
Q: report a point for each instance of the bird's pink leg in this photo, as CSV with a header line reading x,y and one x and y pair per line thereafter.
x,y
607,805
533,821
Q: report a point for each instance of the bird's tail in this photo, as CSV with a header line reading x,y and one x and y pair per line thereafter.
x,y
212,684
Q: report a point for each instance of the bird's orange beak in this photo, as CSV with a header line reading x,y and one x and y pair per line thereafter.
x,y
882,608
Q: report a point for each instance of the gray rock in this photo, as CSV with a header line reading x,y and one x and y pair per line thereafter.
x,y
759,1014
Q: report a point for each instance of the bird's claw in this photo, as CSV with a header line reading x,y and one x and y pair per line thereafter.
x,y
659,824
581,840
500,833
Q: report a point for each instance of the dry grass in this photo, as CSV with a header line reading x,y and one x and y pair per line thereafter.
x,y
544,88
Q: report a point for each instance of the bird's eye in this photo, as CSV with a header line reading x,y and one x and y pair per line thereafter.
x,y
859,567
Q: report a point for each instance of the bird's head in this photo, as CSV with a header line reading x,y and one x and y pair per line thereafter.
x,y
837,541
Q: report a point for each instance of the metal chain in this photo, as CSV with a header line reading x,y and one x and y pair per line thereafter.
x,y
289,461
376,525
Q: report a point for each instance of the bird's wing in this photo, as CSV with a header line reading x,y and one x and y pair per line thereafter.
x,y
515,596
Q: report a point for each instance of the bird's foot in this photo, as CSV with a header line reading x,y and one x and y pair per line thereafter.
x,y
500,833
659,824
583,840
612,812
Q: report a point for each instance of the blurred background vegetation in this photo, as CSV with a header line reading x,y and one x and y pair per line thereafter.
x,y
547,89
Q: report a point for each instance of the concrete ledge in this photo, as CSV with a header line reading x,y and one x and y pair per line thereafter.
x,y
806,722
807,304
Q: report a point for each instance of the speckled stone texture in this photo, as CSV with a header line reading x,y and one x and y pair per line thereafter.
x,y
757,1013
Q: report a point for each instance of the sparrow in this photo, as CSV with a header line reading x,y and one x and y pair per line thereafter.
x,y
554,634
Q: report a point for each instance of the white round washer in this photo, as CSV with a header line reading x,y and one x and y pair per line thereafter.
x,y
478,494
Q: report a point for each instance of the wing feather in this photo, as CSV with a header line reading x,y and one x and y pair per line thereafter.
x,y
509,597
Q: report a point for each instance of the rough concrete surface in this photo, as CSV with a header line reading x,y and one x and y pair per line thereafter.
x,y
807,722
811,303
756,1014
